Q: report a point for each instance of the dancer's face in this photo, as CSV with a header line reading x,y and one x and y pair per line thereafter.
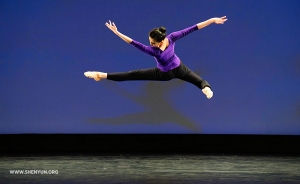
x,y
155,43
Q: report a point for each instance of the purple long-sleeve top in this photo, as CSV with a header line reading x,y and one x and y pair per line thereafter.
x,y
167,59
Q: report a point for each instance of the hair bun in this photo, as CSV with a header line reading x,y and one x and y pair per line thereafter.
x,y
162,29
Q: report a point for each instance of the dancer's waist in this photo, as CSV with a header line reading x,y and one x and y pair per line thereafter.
x,y
167,66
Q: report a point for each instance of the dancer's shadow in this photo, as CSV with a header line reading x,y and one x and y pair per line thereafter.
x,y
155,100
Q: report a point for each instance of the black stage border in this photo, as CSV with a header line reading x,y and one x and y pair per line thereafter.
x,y
55,144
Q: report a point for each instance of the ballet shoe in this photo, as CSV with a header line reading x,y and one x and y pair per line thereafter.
x,y
208,92
94,75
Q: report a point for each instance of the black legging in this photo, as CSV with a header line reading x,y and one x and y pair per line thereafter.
x,y
181,72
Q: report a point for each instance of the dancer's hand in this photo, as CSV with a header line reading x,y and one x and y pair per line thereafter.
x,y
111,26
114,29
220,20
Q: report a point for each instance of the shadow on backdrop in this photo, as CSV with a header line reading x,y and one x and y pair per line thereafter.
x,y
156,104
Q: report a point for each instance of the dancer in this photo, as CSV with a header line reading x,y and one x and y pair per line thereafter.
x,y
169,66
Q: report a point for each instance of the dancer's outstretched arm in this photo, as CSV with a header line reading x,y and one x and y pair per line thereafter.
x,y
220,20
114,29
147,49
182,33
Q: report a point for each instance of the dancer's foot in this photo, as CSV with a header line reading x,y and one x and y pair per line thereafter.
x,y
95,75
207,91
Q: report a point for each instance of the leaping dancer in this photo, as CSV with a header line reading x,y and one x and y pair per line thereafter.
x,y
169,66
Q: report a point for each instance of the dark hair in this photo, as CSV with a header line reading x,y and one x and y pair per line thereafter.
x,y
158,34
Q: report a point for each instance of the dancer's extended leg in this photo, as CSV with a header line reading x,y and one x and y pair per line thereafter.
x,y
143,74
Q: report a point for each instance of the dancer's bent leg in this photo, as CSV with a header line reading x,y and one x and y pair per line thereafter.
x,y
188,75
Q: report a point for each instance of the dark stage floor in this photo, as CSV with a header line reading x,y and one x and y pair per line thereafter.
x,y
153,169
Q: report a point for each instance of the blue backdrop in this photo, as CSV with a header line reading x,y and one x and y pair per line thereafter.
x,y
252,63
